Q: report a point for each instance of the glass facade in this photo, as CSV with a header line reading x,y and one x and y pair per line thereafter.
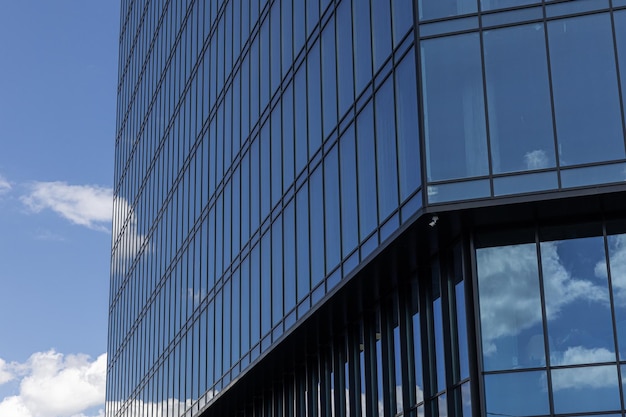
x,y
274,156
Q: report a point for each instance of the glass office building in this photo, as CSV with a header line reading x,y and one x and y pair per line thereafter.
x,y
369,208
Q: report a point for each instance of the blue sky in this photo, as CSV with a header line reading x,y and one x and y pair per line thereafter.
x,y
58,70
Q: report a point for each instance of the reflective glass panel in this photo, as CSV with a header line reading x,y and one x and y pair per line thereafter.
x,y
501,4
620,36
516,394
349,208
402,12
362,30
518,99
345,75
366,163
585,389
407,128
432,9
577,301
586,101
381,31
510,307
386,155
454,114
332,224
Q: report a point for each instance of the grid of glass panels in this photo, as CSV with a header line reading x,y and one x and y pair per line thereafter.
x,y
264,149
553,318
521,96
406,354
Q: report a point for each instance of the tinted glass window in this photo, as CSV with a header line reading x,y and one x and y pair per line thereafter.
x,y
432,9
577,301
510,307
586,101
518,99
454,114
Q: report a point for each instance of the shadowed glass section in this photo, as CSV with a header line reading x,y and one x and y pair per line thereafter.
x,y
584,81
454,114
518,99
585,389
503,4
432,9
516,394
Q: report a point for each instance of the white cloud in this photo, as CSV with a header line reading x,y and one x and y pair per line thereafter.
x,y
57,385
5,186
84,205
6,373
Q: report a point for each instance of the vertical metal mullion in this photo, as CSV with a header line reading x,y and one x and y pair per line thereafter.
x,y
555,138
427,342
613,318
407,346
421,105
544,320
389,366
369,353
473,322
619,79
353,350
485,97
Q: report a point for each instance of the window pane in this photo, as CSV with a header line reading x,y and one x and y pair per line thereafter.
x,y
316,213
266,284
301,132
516,394
277,271
402,18
349,210
302,241
287,37
345,75
386,157
276,156
408,131
586,100
288,137
577,301
381,31
518,99
329,79
454,114
501,4
314,96
289,258
362,44
331,210
432,9
510,307
367,171
620,36
585,389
